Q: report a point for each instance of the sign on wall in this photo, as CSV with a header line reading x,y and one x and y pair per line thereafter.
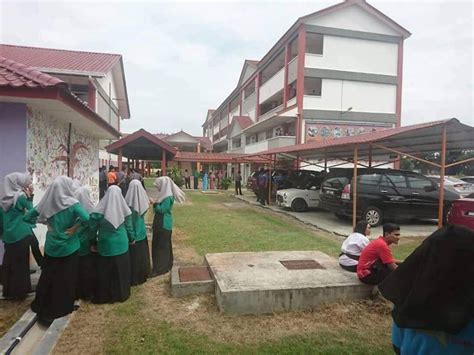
x,y
320,131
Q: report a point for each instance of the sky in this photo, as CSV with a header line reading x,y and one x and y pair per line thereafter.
x,y
182,58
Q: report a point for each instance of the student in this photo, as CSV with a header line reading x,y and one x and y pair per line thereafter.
x,y
138,201
376,261
432,292
18,236
112,219
102,181
205,181
187,179
211,180
162,250
262,183
63,215
111,176
196,179
353,245
87,269
238,183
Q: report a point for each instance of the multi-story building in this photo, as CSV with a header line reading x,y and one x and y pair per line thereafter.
x,y
335,72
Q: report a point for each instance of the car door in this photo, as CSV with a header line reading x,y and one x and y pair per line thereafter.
x,y
396,195
313,191
424,202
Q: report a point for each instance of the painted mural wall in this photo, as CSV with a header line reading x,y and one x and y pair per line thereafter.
x,y
47,152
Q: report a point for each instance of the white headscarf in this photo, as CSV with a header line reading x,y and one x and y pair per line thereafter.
x,y
136,197
83,195
75,185
113,206
166,187
58,196
13,188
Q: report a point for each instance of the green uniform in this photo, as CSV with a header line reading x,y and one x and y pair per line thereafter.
x,y
1,223
111,241
86,236
15,227
58,243
138,225
164,208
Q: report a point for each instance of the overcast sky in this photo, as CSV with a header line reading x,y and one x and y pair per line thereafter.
x,y
182,58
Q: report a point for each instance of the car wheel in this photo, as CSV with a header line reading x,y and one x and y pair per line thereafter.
x,y
373,216
299,205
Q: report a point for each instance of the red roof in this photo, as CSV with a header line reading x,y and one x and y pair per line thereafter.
x,y
59,59
209,157
17,75
244,121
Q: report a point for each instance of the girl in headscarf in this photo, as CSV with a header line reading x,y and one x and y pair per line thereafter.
x,y
63,215
112,219
205,181
211,181
86,273
18,236
138,201
162,250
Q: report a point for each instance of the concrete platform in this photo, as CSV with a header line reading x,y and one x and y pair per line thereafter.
x,y
256,283
192,280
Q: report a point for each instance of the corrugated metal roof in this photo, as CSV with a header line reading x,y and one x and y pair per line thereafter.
x,y
59,59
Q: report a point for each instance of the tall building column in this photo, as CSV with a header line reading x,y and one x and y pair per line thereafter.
x,y
300,83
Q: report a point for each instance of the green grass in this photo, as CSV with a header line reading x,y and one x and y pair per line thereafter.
x,y
149,183
214,228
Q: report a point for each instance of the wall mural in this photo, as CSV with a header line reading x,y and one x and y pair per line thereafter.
x,y
46,152
318,131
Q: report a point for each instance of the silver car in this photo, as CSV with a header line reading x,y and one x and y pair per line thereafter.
x,y
455,185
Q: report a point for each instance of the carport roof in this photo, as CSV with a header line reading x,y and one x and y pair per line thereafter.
x,y
413,139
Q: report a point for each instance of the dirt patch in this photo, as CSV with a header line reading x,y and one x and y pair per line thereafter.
x,y
10,312
183,253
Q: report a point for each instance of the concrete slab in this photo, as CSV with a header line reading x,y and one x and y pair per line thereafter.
x,y
186,281
256,283
327,221
209,192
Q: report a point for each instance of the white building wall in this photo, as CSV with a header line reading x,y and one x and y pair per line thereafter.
x,y
272,86
339,95
357,55
353,18
235,112
104,82
249,106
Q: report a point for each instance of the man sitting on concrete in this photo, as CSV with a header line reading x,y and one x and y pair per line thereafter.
x,y
376,261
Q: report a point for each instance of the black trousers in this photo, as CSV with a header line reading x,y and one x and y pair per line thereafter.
x,y
352,268
187,182
35,250
238,188
102,188
196,182
16,269
378,273
263,195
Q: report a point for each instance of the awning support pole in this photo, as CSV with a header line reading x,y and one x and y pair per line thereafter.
x,y
354,189
441,179
370,155
120,157
163,163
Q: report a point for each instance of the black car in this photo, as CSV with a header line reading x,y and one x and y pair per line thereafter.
x,y
383,194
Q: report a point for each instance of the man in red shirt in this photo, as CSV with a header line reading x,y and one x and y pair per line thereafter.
x,y
376,261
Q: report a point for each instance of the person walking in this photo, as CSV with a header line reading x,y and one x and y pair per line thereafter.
x,y
18,236
112,220
187,179
162,250
238,183
63,215
138,201
87,269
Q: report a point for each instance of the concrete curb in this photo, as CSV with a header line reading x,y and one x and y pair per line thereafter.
x,y
52,335
183,289
7,340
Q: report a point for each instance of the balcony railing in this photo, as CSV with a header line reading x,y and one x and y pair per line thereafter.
x,y
106,108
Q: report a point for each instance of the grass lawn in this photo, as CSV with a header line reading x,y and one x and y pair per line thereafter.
x,y
152,321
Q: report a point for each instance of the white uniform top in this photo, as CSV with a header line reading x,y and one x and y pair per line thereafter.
x,y
354,244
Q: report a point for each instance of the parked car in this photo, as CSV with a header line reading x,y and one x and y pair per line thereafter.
x,y
455,185
300,199
284,179
383,194
469,179
462,212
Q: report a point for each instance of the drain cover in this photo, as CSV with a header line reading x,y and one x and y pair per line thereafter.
x,y
301,264
194,273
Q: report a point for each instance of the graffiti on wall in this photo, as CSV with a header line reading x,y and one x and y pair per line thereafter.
x,y
319,131
47,152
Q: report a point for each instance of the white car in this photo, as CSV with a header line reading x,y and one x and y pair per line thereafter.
x,y
456,185
299,200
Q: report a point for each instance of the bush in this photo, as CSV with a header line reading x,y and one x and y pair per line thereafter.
x,y
226,182
175,174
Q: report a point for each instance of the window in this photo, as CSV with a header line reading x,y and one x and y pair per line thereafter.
x,y
369,179
249,90
314,43
419,182
398,180
292,90
293,49
312,86
336,182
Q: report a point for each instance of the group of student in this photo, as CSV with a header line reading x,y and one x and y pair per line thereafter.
x,y
92,252
432,289
119,177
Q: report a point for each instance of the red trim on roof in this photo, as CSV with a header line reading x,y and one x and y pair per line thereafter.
x,y
209,157
141,133
60,59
